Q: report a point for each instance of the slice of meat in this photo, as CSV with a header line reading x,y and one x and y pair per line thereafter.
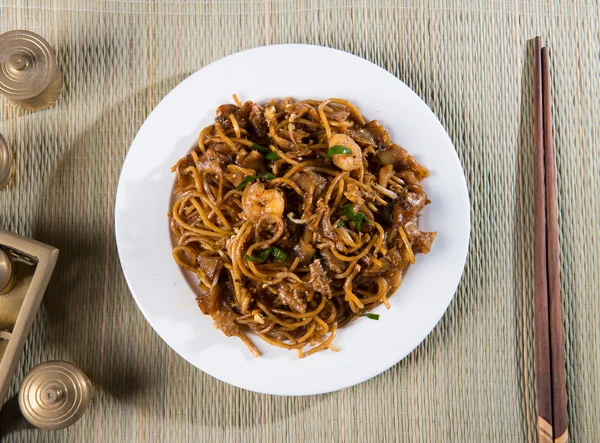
x,y
304,251
306,179
209,162
211,266
258,121
420,241
281,104
326,227
298,110
412,230
393,155
299,134
354,193
331,261
235,178
422,244
395,258
254,160
216,303
405,208
283,142
408,177
362,136
291,235
241,114
223,113
319,279
224,152
293,299
378,133
338,114
204,301
235,174
402,161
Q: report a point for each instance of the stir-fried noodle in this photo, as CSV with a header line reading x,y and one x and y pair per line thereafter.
x,y
297,217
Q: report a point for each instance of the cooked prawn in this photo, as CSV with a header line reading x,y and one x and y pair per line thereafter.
x,y
258,201
346,162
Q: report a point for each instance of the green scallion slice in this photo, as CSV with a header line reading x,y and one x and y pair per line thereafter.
x,y
335,150
279,254
261,256
267,176
247,179
371,316
272,155
264,254
260,148
348,212
357,218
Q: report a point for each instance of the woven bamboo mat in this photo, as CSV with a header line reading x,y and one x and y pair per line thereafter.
x,y
472,379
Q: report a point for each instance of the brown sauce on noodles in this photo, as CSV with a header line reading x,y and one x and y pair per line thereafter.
x,y
297,217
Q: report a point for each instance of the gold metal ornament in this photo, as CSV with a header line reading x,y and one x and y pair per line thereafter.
x,y
6,163
7,273
54,395
29,76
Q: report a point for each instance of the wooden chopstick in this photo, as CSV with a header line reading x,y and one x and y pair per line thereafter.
x,y
550,358
542,332
557,354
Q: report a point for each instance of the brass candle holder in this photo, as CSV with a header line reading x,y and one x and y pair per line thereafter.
x,y
25,270
8,276
6,163
54,395
29,76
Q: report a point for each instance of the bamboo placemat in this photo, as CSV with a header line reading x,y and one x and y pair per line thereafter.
x,y
472,380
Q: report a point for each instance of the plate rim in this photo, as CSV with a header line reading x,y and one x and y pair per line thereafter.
x,y
465,246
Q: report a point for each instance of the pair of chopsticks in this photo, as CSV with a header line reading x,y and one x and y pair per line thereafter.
x,y
550,356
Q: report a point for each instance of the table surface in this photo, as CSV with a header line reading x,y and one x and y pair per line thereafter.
x,y
473,378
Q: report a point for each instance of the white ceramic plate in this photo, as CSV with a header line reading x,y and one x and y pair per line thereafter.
x,y
366,347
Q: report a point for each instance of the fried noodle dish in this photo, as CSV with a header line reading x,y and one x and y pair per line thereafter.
x,y
297,217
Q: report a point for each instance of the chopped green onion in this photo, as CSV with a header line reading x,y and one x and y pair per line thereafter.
x,y
279,254
348,212
371,316
261,256
272,155
357,218
335,150
340,224
247,179
267,176
260,148
264,254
